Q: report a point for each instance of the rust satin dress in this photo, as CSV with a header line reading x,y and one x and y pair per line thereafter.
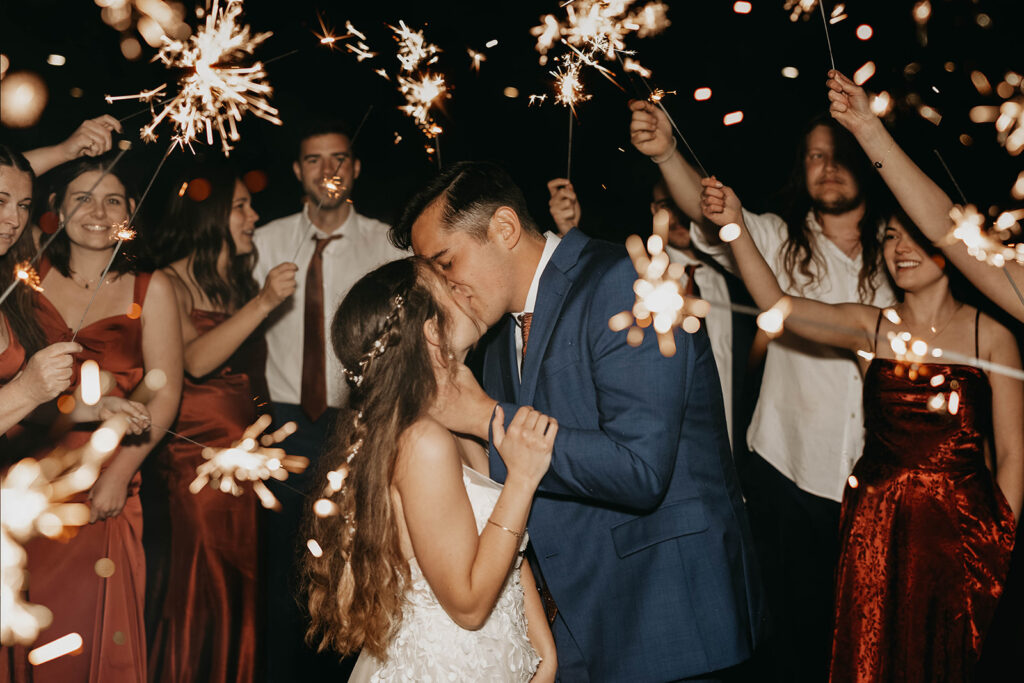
x,y
208,628
11,358
105,611
926,534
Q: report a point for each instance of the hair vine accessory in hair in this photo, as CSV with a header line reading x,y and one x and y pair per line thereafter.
x,y
380,344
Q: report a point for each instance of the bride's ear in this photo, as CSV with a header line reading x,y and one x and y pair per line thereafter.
x,y
432,332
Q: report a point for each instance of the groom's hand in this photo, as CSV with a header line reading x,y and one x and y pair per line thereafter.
x,y
462,405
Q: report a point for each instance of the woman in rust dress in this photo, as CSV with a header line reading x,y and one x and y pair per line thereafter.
x,y
20,336
926,530
93,578
208,625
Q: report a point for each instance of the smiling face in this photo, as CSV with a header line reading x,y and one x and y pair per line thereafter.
x,y
831,186
327,169
912,268
101,210
15,205
479,272
243,219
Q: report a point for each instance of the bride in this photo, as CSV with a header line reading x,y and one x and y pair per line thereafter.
x,y
421,554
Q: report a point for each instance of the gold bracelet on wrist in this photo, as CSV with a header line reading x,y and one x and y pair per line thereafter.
x,y
517,534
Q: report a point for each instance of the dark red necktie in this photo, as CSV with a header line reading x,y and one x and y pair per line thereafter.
x,y
314,365
525,321
692,288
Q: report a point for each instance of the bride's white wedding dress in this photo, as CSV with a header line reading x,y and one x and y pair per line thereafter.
x,y
430,647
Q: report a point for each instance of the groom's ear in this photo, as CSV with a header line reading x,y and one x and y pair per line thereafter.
x,y
505,227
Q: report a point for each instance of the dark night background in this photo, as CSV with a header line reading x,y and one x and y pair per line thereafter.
x,y
738,56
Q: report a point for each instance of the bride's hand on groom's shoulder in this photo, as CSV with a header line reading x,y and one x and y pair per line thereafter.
x,y
526,445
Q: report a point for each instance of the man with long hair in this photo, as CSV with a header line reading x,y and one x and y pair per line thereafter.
x,y
807,429
333,246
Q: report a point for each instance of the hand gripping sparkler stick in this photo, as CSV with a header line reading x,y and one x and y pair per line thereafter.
x,y
120,240
650,93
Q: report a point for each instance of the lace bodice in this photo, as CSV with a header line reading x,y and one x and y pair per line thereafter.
x,y
429,646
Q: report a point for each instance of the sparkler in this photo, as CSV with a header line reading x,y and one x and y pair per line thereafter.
x,y
249,460
660,302
217,88
24,272
33,497
1008,116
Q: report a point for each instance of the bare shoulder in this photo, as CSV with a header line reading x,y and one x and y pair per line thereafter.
x,y
997,343
426,444
161,287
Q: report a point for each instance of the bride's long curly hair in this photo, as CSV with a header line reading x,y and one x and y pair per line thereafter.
x,y
355,581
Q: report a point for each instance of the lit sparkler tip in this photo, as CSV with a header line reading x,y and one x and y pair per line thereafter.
x,y
26,274
218,87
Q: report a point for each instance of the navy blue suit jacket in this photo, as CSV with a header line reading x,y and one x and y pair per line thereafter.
x,y
639,526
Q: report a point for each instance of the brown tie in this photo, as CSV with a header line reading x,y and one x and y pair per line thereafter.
x,y
314,365
525,322
692,289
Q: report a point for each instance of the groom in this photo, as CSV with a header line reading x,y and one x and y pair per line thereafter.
x,y
639,529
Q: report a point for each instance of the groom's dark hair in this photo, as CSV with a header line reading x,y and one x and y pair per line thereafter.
x,y
470,192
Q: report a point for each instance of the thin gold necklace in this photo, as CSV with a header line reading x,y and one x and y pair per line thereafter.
x,y
935,333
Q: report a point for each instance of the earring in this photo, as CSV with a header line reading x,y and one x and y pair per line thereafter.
x,y
451,356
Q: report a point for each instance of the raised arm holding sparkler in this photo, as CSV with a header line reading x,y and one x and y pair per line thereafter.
x,y
93,138
924,201
651,133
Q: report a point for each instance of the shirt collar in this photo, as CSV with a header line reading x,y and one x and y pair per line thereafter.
x,y
343,229
550,244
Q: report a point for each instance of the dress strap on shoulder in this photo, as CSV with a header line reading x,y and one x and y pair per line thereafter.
x,y
141,286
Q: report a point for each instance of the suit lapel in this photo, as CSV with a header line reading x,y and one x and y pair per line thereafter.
x,y
554,285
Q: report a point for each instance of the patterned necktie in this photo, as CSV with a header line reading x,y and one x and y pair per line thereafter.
x,y
314,364
525,321
692,288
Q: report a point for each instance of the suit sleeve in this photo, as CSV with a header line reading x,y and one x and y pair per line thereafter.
x,y
629,460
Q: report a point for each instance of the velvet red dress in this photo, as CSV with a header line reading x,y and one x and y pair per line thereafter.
x,y
926,533
208,629
106,611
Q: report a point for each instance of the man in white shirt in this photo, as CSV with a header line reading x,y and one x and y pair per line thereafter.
x,y
333,246
807,430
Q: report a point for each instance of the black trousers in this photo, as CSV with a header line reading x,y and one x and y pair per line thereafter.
x,y
796,536
288,658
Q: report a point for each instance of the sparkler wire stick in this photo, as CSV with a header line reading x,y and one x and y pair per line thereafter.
x,y
120,241
568,165
675,128
828,38
963,200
